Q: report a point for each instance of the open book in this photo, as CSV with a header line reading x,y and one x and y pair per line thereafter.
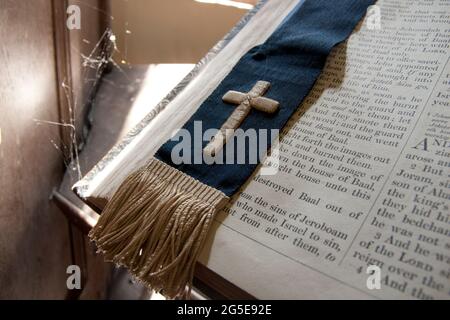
x,y
360,206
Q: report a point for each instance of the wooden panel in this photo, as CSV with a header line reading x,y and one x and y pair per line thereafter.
x,y
34,242
82,55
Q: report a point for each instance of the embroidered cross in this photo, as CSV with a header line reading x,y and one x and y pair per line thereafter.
x,y
245,101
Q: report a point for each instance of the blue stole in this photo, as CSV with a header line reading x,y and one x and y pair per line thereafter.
x,y
157,221
291,60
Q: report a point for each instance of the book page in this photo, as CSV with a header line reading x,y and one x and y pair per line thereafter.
x,y
363,175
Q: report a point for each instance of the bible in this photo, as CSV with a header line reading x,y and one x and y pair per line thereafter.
x,y
359,204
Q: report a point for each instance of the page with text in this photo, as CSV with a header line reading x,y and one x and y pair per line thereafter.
x,y
360,206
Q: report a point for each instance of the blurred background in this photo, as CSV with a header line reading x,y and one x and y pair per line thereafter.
x,y
75,77
172,31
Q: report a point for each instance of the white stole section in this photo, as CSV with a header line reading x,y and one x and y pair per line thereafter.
x,y
179,110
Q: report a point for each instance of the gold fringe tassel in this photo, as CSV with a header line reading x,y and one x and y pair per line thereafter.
x,y
156,225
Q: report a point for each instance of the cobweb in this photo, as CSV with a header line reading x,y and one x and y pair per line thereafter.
x,y
99,58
